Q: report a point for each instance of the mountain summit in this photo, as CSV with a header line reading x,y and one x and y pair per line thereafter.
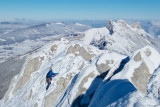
x,y
117,36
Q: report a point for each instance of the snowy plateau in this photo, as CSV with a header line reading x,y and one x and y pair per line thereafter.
x,y
116,65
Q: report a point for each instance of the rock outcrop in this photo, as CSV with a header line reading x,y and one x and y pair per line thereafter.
x,y
142,73
62,84
107,61
110,27
140,67
32,66
78,50
141,77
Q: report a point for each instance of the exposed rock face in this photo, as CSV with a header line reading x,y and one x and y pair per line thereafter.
x,y
81,89
32,66
104,67
143,73
54,48
141,77
80,68
36,105
84,95
100,43
137,57
148,52
136,25
50,99
77,50
110,27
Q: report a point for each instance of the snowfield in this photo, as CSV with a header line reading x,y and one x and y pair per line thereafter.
x,y
110,66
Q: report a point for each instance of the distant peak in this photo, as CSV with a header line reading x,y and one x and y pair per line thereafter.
x,y
79,24
121,21
60,23
136,25
110,26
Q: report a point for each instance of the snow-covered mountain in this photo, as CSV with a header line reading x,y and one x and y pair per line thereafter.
x,y
7,26
21,40
112,66
42,30
118,36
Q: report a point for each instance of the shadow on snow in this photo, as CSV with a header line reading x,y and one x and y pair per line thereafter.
x,y
103,93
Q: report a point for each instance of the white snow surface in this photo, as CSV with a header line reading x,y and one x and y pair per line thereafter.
x,y
2,39
110,56
63,64
138,99
78,24
95,33
124,39
117,88
153,61
120,91
86,86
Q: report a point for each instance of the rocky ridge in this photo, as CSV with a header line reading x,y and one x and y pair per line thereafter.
x,y
89,75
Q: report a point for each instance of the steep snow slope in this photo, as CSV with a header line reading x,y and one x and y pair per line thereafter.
x,y
88,76
76,64
79,82
117,36
132,78
141,100
29,86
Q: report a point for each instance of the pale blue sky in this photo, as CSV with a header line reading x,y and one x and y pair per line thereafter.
x,y
80,9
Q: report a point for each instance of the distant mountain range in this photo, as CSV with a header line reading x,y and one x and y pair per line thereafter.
x,y
18,39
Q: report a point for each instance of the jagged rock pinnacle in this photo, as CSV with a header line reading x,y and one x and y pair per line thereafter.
x,y
110,26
